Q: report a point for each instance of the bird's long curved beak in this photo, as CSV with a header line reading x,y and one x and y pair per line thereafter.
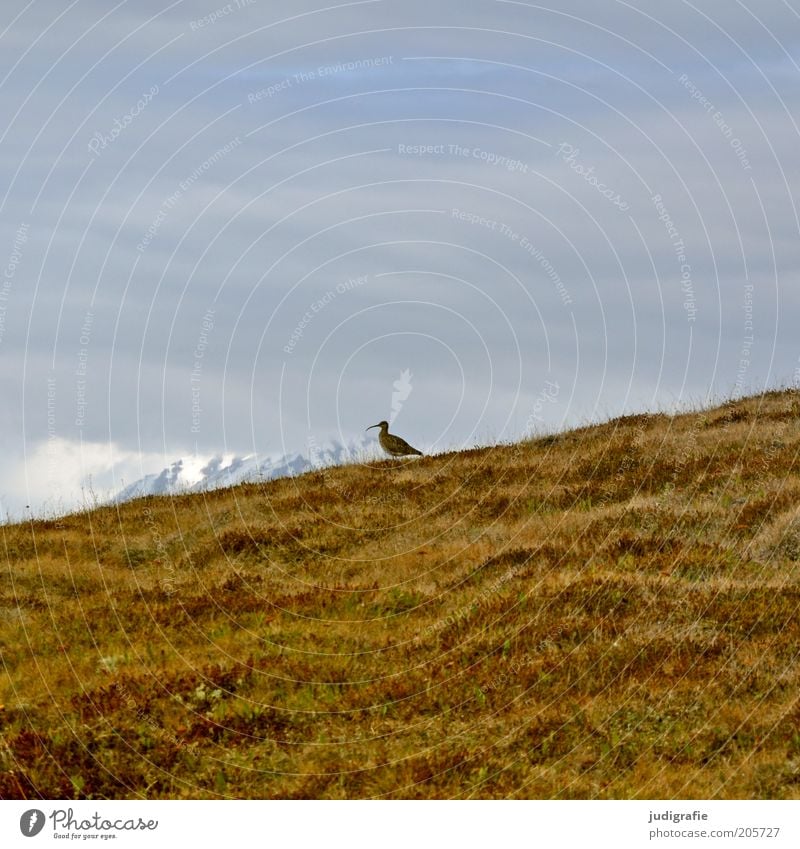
x,y
372,426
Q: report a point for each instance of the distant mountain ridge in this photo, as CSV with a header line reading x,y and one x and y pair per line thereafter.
x,y
183,476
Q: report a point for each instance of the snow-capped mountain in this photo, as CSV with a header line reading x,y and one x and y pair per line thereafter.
x,y
196,474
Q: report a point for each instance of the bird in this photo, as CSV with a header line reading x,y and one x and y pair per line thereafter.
x,y
393,445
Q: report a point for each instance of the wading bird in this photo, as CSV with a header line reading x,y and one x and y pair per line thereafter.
x,y
392,444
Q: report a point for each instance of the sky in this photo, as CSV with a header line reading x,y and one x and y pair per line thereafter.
x,y
239,228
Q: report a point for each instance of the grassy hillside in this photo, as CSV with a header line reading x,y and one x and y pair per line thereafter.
x,y
612,613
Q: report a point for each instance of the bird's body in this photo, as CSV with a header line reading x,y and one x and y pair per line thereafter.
x,y
393,445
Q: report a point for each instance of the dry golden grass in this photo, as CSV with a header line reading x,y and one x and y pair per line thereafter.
x,y
607,613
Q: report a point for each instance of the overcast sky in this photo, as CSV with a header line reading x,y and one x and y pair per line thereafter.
x,y
229,230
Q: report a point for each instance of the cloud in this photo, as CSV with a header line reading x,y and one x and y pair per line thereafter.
x,y
60,475
356,172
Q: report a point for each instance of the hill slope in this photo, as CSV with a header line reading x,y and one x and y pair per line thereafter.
x,y
612,612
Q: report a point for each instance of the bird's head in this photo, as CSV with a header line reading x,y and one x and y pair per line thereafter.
x,y
381,425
